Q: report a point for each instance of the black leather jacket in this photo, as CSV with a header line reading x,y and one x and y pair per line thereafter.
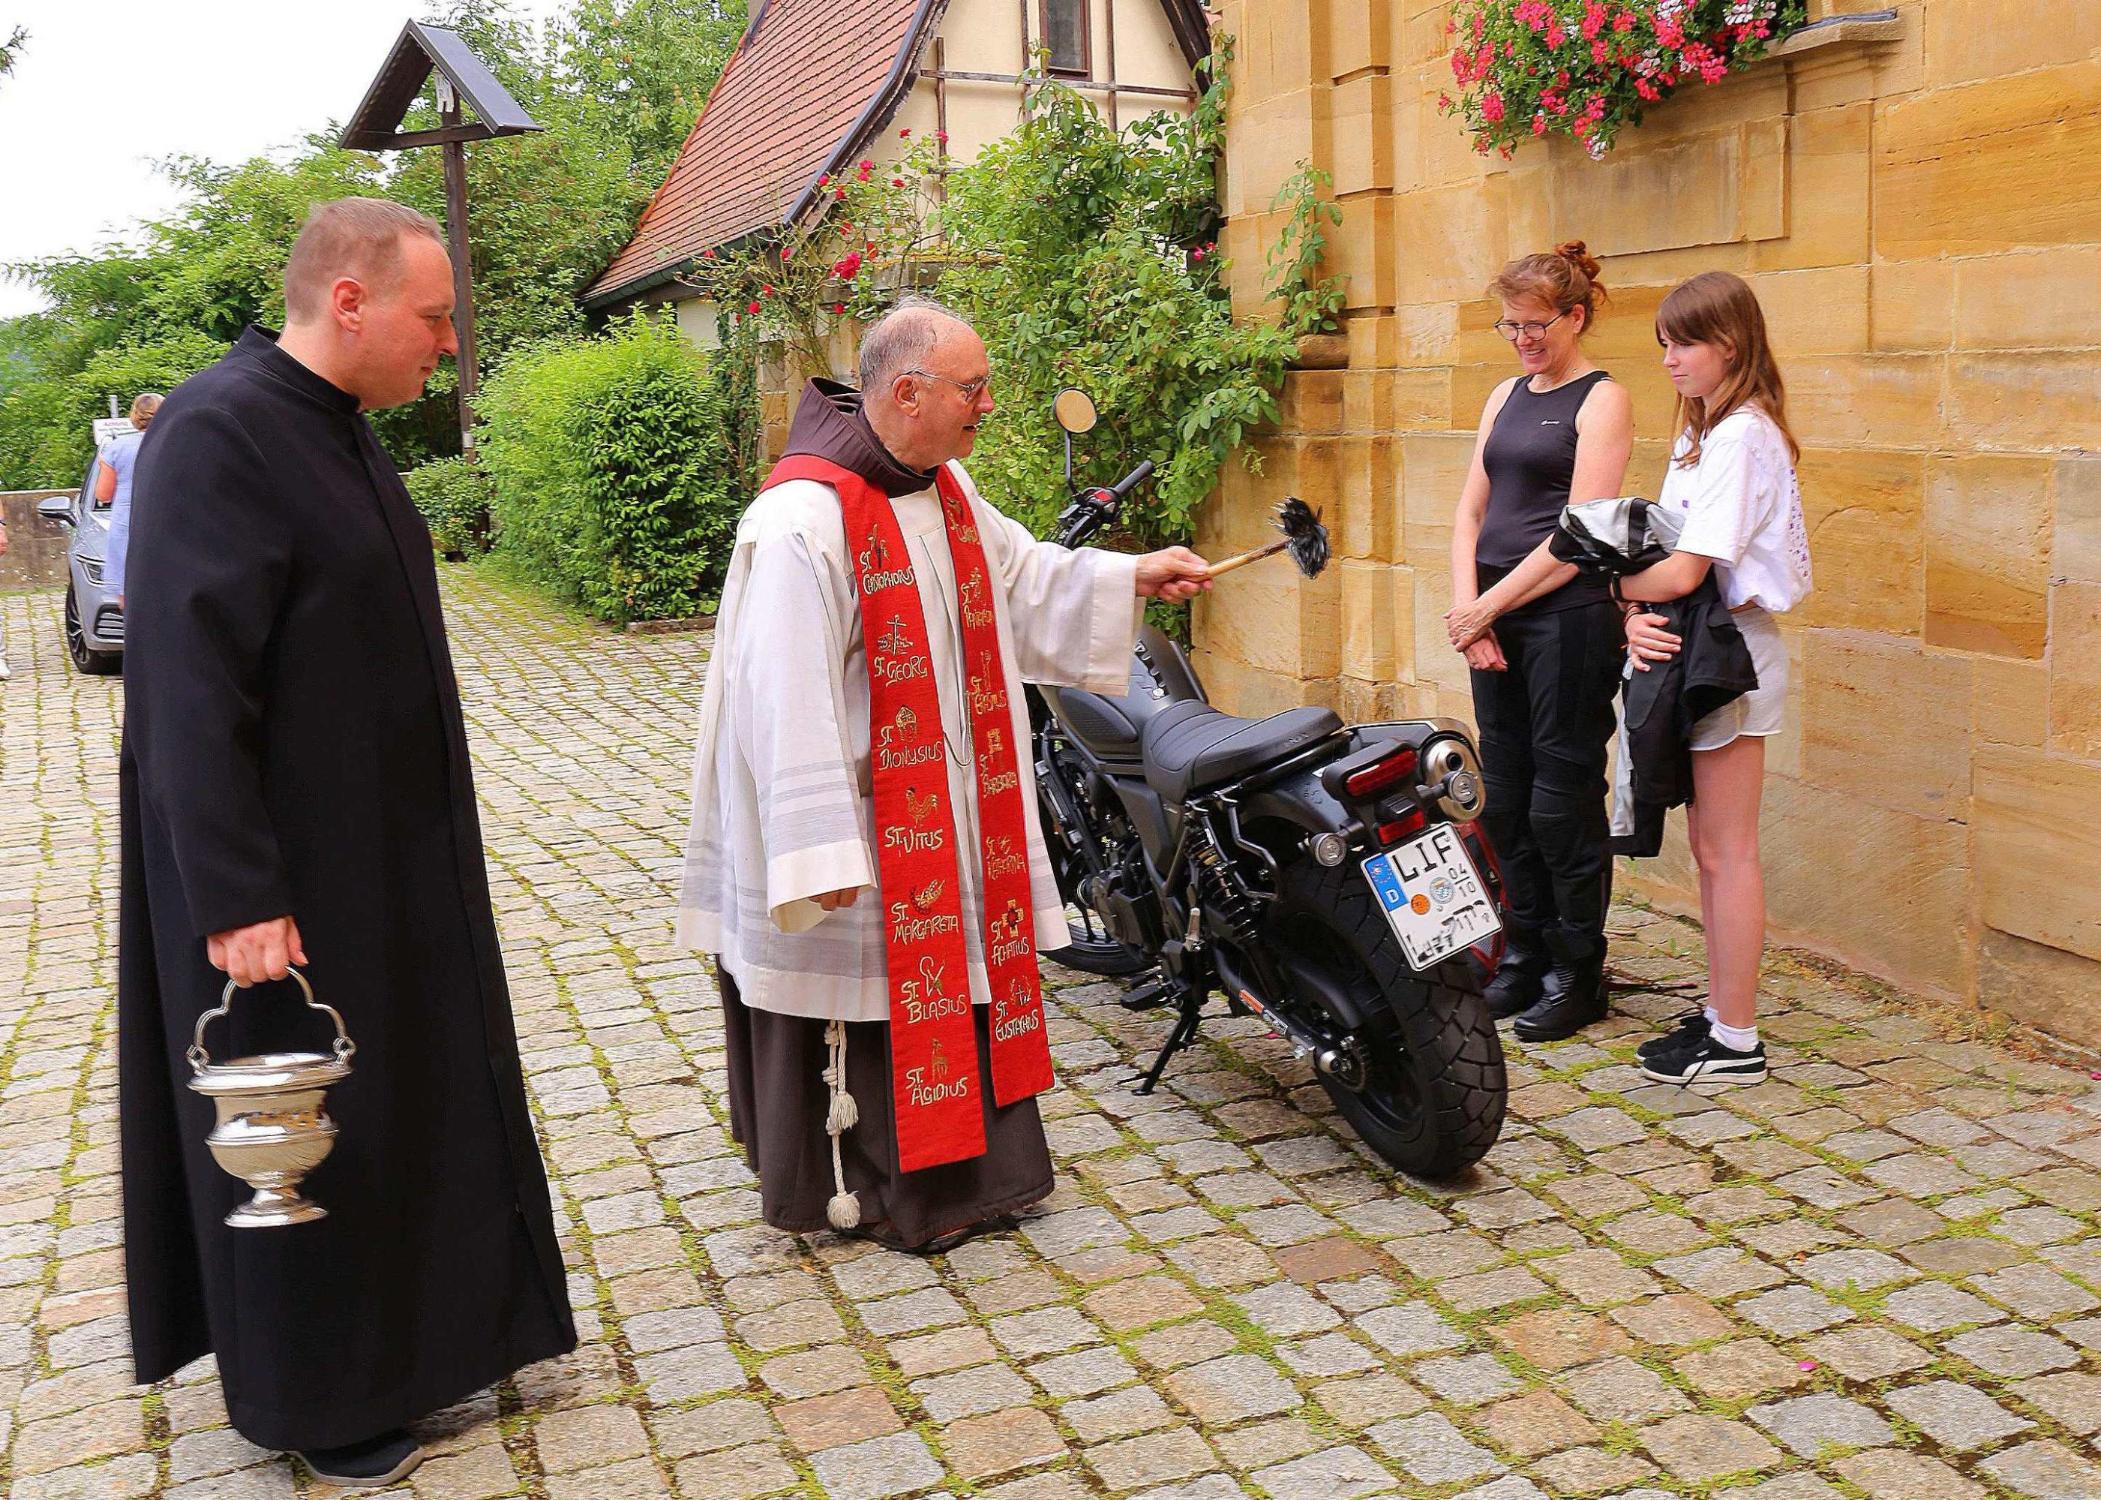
x,y
1659,707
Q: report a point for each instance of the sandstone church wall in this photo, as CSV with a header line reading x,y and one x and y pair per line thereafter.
x,y
1921,217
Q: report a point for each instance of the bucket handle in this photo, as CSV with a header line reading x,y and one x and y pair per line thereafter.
x,y
199,1059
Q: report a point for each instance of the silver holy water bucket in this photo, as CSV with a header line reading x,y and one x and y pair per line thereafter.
x,y
272,1128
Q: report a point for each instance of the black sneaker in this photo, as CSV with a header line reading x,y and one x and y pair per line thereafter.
x,y
368,1465
1693,1022
1690,1057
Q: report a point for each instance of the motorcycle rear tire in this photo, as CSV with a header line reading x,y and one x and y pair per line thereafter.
x,y
1435,1094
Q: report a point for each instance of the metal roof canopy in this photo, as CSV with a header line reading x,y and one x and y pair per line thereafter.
x,y
375,124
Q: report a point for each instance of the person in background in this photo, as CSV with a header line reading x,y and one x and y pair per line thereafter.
x,y
1732,481
113,471
1545,665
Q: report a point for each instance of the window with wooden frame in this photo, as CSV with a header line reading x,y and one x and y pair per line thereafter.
x,y
1065,37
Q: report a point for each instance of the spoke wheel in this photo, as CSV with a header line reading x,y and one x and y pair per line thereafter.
x,y
86,658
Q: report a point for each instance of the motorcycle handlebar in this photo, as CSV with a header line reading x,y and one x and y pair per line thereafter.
x,y
1091,509
1132,480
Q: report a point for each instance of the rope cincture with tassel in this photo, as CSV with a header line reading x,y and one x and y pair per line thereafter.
x,y
844,1210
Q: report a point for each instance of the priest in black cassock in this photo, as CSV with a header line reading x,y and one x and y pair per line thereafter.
x,y
296,791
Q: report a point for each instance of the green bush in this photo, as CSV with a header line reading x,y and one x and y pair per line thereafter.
x,y
618,467
1083,254
453,494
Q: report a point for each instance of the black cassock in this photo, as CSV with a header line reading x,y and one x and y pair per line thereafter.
x,y
293,745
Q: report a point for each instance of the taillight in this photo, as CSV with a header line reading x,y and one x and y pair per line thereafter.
x,y
1398,767
1411,822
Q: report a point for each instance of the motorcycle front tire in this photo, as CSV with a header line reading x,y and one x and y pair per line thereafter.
x,y
1434,1093
1104,957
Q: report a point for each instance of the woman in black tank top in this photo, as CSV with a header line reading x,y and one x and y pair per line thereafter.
x,y
1545,674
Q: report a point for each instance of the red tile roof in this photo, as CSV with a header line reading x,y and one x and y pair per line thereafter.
x,y
792,96
809,85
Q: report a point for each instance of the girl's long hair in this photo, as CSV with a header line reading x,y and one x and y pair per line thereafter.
x,y
1718,308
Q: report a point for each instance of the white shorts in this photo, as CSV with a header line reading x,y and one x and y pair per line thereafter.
x,y
1761,711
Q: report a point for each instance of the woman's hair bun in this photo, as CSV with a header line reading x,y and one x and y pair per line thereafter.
x,y
1577,254
1565,276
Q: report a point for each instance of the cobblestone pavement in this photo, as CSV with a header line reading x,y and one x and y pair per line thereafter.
x,y
1874,1276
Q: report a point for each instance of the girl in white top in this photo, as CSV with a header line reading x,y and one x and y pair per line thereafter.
x,y
1732,480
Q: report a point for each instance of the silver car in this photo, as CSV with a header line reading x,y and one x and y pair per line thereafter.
x,y
94,618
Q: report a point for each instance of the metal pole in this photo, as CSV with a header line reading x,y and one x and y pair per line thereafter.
x,y
462,265
1024,80
941,119
1109,26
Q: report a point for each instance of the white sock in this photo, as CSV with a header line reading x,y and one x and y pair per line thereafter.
x,y
1736,1038
1711,1016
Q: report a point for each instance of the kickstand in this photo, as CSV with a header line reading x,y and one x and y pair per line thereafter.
x,y
1183,1034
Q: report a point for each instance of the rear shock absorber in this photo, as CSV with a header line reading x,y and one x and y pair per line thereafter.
x,y
1224,893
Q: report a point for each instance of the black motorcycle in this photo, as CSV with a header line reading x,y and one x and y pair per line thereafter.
x,y
1328,877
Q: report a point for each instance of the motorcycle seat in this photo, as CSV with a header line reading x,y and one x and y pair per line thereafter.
x,y
1191,745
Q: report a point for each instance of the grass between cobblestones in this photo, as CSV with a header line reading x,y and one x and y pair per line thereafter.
x,y
1875,1276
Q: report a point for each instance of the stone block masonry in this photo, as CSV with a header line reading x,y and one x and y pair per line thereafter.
x,y
1920,214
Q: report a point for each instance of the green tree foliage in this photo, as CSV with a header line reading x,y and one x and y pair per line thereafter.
x,y
1083,255
616,83
618,467
146,314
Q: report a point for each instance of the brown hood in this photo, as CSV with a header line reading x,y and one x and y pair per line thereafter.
x,y
829,424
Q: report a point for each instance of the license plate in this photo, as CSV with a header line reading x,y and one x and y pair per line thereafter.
x,y
1433,897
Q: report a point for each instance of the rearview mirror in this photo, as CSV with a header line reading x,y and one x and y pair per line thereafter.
x,y
57,508
1074,410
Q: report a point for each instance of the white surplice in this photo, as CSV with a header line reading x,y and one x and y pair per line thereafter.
x,y
782,789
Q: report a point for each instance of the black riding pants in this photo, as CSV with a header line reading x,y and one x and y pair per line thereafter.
x,y
1545,727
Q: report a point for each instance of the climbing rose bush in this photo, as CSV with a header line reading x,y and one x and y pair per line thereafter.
x,y
1585,68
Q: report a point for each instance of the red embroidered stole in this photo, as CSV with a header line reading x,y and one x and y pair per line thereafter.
x,y
933,1042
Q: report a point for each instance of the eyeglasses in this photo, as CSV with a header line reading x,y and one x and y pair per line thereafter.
x,y
1511,331
971,389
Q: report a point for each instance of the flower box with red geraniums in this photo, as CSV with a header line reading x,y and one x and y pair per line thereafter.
x,y
1586,68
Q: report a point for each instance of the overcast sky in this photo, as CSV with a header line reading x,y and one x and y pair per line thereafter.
x,y
104,88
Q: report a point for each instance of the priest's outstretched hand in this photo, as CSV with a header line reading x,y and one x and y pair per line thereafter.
x,y
1172,574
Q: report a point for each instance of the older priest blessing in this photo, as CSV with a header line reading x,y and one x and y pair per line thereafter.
x,y
865,860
